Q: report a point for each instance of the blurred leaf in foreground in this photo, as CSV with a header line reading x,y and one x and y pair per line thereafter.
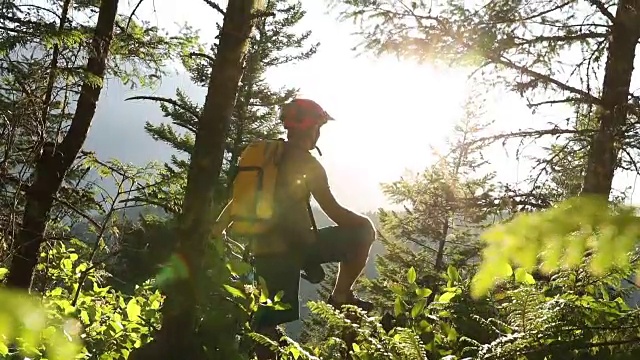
x,y
23,321
558,238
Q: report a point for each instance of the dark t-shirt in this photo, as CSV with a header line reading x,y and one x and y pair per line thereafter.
x,y
299,174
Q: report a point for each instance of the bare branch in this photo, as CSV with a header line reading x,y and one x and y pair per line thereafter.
x,y
215,7
211,59
558,101
133,12
78,212
603,9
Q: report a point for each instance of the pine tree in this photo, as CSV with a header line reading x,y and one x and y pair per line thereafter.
x,y
255,114
52,71
446,206
184,306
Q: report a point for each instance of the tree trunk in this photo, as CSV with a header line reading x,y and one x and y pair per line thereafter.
x,y
603,154
248,78
176,339
54,162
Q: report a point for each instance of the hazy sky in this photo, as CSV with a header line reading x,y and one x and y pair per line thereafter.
x,y
388,112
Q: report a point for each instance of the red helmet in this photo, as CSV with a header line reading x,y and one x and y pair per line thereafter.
x,y
303,114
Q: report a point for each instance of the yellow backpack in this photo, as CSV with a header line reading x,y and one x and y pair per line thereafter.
x,y
254,187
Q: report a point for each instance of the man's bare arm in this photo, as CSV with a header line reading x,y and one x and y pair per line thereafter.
x,y
339,214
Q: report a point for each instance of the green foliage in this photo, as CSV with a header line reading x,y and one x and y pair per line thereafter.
x,y
78,306
112,324
255,114
550,280
24,321
558,237
315,330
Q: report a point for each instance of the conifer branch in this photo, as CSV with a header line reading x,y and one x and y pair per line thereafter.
x,y
544,78
166,100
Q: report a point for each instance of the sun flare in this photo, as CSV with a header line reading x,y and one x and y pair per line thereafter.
x,y
386,122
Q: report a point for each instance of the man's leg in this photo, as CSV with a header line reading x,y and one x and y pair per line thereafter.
x,y
281,273
350,247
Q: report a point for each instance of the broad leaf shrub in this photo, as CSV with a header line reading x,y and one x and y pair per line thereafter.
x,y
558,238
103,323
24,324
573,315
576,310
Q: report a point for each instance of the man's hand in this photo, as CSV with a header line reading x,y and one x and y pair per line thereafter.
x,y
217,230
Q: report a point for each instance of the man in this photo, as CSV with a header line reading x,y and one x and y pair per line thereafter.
x,y
280,255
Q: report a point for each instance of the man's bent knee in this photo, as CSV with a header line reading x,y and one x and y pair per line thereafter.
x,y
365,233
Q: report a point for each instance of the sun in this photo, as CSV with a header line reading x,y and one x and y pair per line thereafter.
x,y
387,118
388,114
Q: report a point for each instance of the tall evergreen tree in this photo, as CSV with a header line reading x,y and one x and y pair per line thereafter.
x,y
255,113
52,70
445,208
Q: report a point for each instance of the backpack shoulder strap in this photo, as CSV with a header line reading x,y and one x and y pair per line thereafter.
x,y
314,226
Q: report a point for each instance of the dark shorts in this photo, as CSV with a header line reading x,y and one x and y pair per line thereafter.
x,y
282,272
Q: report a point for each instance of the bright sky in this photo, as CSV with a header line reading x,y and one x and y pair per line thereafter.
x,y
388,112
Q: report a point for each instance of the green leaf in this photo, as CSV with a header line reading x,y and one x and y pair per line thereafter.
x,y
398,307
133,310
233,291
238,267
356,347
452,272
295,352
4,350
446,297
3,272
55,292
103,171
418,307
411,275
423,292
523,277
505,270
278,296
397,289
117,326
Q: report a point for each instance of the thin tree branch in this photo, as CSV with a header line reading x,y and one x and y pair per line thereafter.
x,y
545,78
603,9
166,100
558,101
78,212
133,12
211,59
215,7
560,38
